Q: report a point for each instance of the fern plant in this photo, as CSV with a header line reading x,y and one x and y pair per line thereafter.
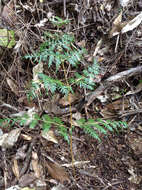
x,y
92,127
59,49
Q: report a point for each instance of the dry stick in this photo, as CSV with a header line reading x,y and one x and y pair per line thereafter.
x,y
132,112
108,82
64,4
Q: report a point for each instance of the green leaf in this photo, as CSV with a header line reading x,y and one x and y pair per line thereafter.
x,y
33,124
46,126
105,124
46,118
7,38
51,59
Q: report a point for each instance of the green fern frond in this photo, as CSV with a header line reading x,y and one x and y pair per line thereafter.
x,y
92,127
86,79
102,126
52,85
57,49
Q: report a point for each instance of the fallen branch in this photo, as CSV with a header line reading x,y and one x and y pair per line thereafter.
x,y
108,82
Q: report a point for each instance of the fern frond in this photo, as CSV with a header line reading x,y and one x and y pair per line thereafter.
x,y
52,85
92,126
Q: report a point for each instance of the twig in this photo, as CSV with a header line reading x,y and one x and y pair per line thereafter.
x,y
132,112
64,4
108,82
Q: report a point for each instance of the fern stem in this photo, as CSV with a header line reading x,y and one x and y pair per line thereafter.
x,y
70,108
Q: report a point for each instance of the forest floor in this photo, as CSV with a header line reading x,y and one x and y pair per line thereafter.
x,y
112,34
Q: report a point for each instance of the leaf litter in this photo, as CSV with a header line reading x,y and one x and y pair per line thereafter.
x,y
115,163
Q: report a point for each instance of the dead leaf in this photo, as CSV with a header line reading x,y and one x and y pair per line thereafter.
x,y
21,153
26,137
119,27
36,70
16,187
98,46
124,3
49,135
132,24
8,140
115,107
26,102
26,180
27,188
41,23
77,115
8,15
135,142
13,86
81,43
116,26
35,165
15,168
67,100
59,187
40,184
134,178
57,172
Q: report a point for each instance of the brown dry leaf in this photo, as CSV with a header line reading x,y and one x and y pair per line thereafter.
x,y
135,142
117,26
35,164
21,152
36,70
26,137
26,180
15,168
8,140
49,135
98,46
132,24
67,100
57,172
8,14
26,102
112,108
13,86
77,115
74,123
81,43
